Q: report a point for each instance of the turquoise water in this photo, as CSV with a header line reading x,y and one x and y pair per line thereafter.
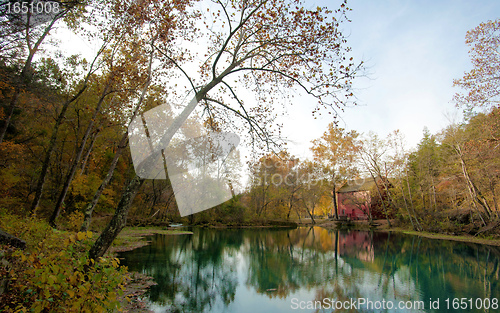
x,y
316,270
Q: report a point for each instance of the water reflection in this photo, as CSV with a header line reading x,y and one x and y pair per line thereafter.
x,y
264,270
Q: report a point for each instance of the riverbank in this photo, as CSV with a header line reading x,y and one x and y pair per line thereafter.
x,y
382,225
462,238
377,225
131,238
134,237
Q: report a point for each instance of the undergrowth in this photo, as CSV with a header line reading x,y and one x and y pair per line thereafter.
x,y
54,273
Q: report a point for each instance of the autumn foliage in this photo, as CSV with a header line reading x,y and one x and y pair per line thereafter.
x,y
482,83
63,133
53,273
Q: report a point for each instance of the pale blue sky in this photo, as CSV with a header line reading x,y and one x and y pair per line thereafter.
x,y
413,50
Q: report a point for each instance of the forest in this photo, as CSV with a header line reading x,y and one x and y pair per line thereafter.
x,y
66,171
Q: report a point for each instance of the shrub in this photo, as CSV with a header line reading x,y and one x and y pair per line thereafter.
x,y
54,274
74,221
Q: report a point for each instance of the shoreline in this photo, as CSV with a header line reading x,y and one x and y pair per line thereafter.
x,y
383,227
131,238
134,237
460,238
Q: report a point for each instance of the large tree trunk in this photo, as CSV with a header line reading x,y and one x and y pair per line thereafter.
x,y
118,221
120,216
334,198
475,193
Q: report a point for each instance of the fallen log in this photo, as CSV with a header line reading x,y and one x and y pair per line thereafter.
x,y
6,238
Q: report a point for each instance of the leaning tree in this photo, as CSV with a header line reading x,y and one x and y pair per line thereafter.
x,y
269,48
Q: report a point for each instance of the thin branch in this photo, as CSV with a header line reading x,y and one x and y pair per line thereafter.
x,y
176,65
227,16
232,33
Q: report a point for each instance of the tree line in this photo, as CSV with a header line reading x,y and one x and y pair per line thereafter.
x,y
448,183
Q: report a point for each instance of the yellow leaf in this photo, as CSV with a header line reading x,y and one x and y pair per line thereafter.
x,y
73,279
80,236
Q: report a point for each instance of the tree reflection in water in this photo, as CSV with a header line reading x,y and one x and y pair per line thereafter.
x,y
219,270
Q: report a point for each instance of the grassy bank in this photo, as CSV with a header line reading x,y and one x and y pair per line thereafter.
x,y
463,238
491,238
135,237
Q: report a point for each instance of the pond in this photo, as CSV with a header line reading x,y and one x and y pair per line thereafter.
x,y
316,270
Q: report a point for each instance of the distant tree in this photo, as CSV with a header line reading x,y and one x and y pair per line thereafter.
x,y
483,151
336,150
474,148
398,167
274,184
482,83
425,165
313,187
380,199
262,172
374,158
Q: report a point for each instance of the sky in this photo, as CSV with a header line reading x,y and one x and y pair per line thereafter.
x,y
413,50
